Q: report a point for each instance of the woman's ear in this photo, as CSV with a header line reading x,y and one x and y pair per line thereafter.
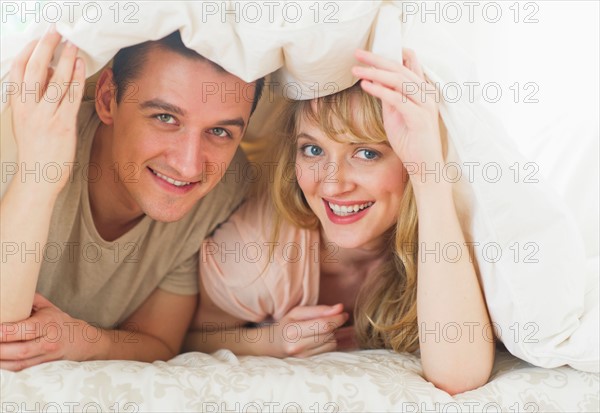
x,y
106,98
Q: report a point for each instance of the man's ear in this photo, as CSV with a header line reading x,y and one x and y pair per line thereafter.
x,y
106,97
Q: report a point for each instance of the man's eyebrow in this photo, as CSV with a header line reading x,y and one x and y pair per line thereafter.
x,y
168,107
239,122
162,105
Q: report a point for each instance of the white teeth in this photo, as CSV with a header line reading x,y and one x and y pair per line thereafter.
x,y
343,210
170,180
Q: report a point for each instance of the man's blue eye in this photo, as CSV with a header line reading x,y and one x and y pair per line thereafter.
x,y
165,118
311,150
220,132
368,154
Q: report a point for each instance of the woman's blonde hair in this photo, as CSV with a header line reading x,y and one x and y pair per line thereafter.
x,y
385,314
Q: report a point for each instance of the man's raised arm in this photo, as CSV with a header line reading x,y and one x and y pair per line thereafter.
x,y
45,132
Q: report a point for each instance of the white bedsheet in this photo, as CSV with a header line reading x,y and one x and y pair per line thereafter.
x,y
370,380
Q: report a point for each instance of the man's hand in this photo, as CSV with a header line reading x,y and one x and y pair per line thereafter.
x,y
44,110
153,332
49,334
44,120
308,330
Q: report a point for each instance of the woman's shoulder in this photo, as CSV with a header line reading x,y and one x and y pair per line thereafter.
x,y
257,219
264,272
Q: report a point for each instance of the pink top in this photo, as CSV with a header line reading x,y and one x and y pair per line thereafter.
x,y
253,277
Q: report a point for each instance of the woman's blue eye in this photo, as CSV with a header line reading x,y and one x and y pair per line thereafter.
x,y
311,150
368,154
165,118
220,132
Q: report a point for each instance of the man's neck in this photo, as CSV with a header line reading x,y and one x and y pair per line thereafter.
x,y
113,211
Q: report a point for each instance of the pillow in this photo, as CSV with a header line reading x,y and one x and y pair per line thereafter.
x,y
527,246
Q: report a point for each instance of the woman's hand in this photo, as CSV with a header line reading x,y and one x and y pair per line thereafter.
x,y
307,330
410,110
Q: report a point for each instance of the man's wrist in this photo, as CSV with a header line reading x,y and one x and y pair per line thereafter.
x,y
35,189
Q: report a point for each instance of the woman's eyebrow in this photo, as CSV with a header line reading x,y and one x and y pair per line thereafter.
x,y
306,136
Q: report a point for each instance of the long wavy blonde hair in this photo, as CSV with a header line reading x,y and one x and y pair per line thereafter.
x,y
385,313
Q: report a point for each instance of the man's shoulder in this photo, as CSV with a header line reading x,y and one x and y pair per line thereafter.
x,y
86,114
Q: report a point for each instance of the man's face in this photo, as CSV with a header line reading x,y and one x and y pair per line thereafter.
x,y
175,132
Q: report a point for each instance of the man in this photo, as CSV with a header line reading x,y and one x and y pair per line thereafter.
x,y
118,236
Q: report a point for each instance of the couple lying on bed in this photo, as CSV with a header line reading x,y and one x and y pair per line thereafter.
x,y
337,250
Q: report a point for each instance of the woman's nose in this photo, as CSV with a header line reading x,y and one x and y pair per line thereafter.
x,y
336,178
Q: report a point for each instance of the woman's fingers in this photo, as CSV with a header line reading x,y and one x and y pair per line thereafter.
x,y
307,344
409,59
371,59
398,101
401,73
346,338
407,78
311,312
415,90
326,347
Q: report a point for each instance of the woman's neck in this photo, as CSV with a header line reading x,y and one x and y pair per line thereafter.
x,y
362,259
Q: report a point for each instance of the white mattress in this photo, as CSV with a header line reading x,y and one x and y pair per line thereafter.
x,y
370,380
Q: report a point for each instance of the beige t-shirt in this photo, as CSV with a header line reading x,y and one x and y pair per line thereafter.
x,y
105,282
255,278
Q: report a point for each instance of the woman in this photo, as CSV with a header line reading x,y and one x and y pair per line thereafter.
x,y
335,256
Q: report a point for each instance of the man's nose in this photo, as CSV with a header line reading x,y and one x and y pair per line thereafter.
x,y
188,157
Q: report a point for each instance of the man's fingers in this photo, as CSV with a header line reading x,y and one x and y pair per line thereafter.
x,y
72,99
63,74
17,365
23,350
31,328
37,66
39,301
17,72
25,330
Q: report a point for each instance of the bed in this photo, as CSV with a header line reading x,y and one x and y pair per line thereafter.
x,y
379,380
364,381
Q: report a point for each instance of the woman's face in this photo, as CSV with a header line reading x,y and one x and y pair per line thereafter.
x,y
354,189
